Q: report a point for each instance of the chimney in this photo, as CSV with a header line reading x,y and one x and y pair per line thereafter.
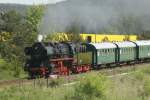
x,y
40,38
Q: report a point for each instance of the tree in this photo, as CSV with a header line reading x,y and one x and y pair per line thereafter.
x,y
17,32
10,21
34,16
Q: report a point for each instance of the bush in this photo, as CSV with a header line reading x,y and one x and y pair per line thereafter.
x,y
92,86
17,68
5,69
2,64
10,69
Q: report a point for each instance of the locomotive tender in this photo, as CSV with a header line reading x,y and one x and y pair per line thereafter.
x,y
63,58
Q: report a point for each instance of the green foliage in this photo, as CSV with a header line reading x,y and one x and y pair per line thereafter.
x,y
61,37
56,37
34,17
75,37
10,70
10,21
93,86
3,63
17,67
17,32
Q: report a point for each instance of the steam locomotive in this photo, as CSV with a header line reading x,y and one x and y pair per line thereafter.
x,y
56,58
64,58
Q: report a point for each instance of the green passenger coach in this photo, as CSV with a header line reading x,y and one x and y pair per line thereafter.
x,y
126,51
143,49
105,53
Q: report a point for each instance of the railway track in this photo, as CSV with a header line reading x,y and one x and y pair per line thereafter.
x,y
108,71
17,81
34,81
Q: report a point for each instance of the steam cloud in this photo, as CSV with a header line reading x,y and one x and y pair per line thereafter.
x,y
118,16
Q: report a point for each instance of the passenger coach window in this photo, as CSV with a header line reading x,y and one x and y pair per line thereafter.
x,y
109,51
105,51
81,49
140,48
113,50
100,51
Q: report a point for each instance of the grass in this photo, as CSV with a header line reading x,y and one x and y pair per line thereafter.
x,y
135,86
91,86
11,70
34,93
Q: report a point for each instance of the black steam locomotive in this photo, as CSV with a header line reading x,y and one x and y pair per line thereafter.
x,y
62,58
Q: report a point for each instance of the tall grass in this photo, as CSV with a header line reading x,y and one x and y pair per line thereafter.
x,y
91,87
34,93
135,86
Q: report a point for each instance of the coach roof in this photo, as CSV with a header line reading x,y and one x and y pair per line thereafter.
x,y
143,42
125,44
103,45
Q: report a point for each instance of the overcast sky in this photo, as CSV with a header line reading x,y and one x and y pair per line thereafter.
x,y
30,1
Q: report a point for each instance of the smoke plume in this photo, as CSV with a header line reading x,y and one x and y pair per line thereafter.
x,y
115,16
